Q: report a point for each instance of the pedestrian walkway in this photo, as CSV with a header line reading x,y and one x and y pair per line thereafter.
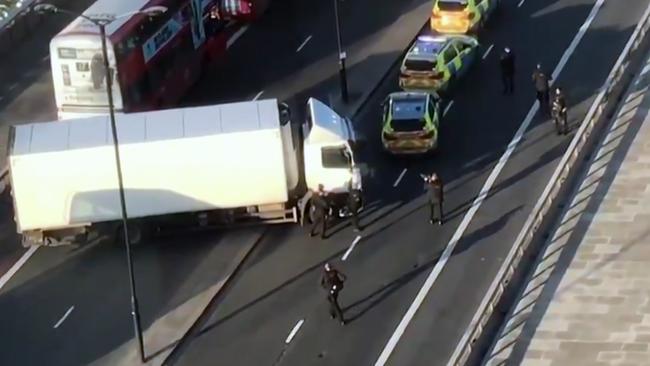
x,y
587,301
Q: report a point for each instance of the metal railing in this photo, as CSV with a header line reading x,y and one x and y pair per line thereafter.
x,y
16,23
603,106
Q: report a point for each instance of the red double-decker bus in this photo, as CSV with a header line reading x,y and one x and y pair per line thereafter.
x,y
154,60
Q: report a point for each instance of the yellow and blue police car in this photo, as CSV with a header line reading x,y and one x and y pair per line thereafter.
x,y
410,122
461,16
434,62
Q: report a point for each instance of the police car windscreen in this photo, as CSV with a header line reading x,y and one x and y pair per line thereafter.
x,y
419,65
408,115
452,5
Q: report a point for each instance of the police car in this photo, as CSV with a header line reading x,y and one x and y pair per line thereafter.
x,y
461,16
410,122
432,63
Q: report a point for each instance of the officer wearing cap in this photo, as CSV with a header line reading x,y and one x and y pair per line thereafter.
x,y
434,187
542,80
332,281
321,212
507,63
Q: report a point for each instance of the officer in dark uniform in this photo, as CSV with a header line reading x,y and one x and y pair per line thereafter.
x,y
507,63
354,204
434,187
332,281
559,111
321,212
541,79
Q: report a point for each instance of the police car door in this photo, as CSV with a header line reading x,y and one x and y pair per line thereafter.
x,y
466,55
481,7
451,59
434,110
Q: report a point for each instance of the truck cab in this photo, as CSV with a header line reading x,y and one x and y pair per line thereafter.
x,y
328,150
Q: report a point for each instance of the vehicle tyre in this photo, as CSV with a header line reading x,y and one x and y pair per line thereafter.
x,y
138,233
27,242
309,214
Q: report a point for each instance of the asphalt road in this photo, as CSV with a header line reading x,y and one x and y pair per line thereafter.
x,y
279,288
280,284
169,270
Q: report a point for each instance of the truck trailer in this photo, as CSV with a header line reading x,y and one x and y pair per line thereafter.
x,y
245,162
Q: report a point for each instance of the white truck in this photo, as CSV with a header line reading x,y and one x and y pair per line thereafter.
x,y
205,166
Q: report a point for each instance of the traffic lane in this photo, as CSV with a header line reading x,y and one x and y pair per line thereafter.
x,y
268,297
280,285
10,248
496,225
94,280
474,138
372,122
267,53
30,59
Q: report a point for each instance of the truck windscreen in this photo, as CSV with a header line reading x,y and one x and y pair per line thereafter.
x,y
335,157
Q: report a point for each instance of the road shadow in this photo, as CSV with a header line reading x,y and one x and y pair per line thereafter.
x,y
366,303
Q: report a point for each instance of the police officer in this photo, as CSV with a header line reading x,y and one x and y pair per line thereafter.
x,y
541,80
332,281
321,212
434,187
559,110
354,204
507,63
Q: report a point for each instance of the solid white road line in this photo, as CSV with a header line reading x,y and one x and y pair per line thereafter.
x,y
12,271
258,95
294,331
351,248
521,3
303,44
399,178
446,254
447,108
63,317
236,36
488,51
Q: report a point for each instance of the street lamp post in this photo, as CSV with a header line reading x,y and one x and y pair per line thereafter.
x,y
102,22
342,74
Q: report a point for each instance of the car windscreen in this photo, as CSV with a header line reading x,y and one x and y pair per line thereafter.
x,y
419,65
408,125
452,5
408,115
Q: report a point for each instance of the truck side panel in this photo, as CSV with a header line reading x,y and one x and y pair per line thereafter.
x,y
174,170
290,151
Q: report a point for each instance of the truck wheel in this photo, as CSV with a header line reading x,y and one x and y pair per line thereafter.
x,y
137,234
310,214
27,242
